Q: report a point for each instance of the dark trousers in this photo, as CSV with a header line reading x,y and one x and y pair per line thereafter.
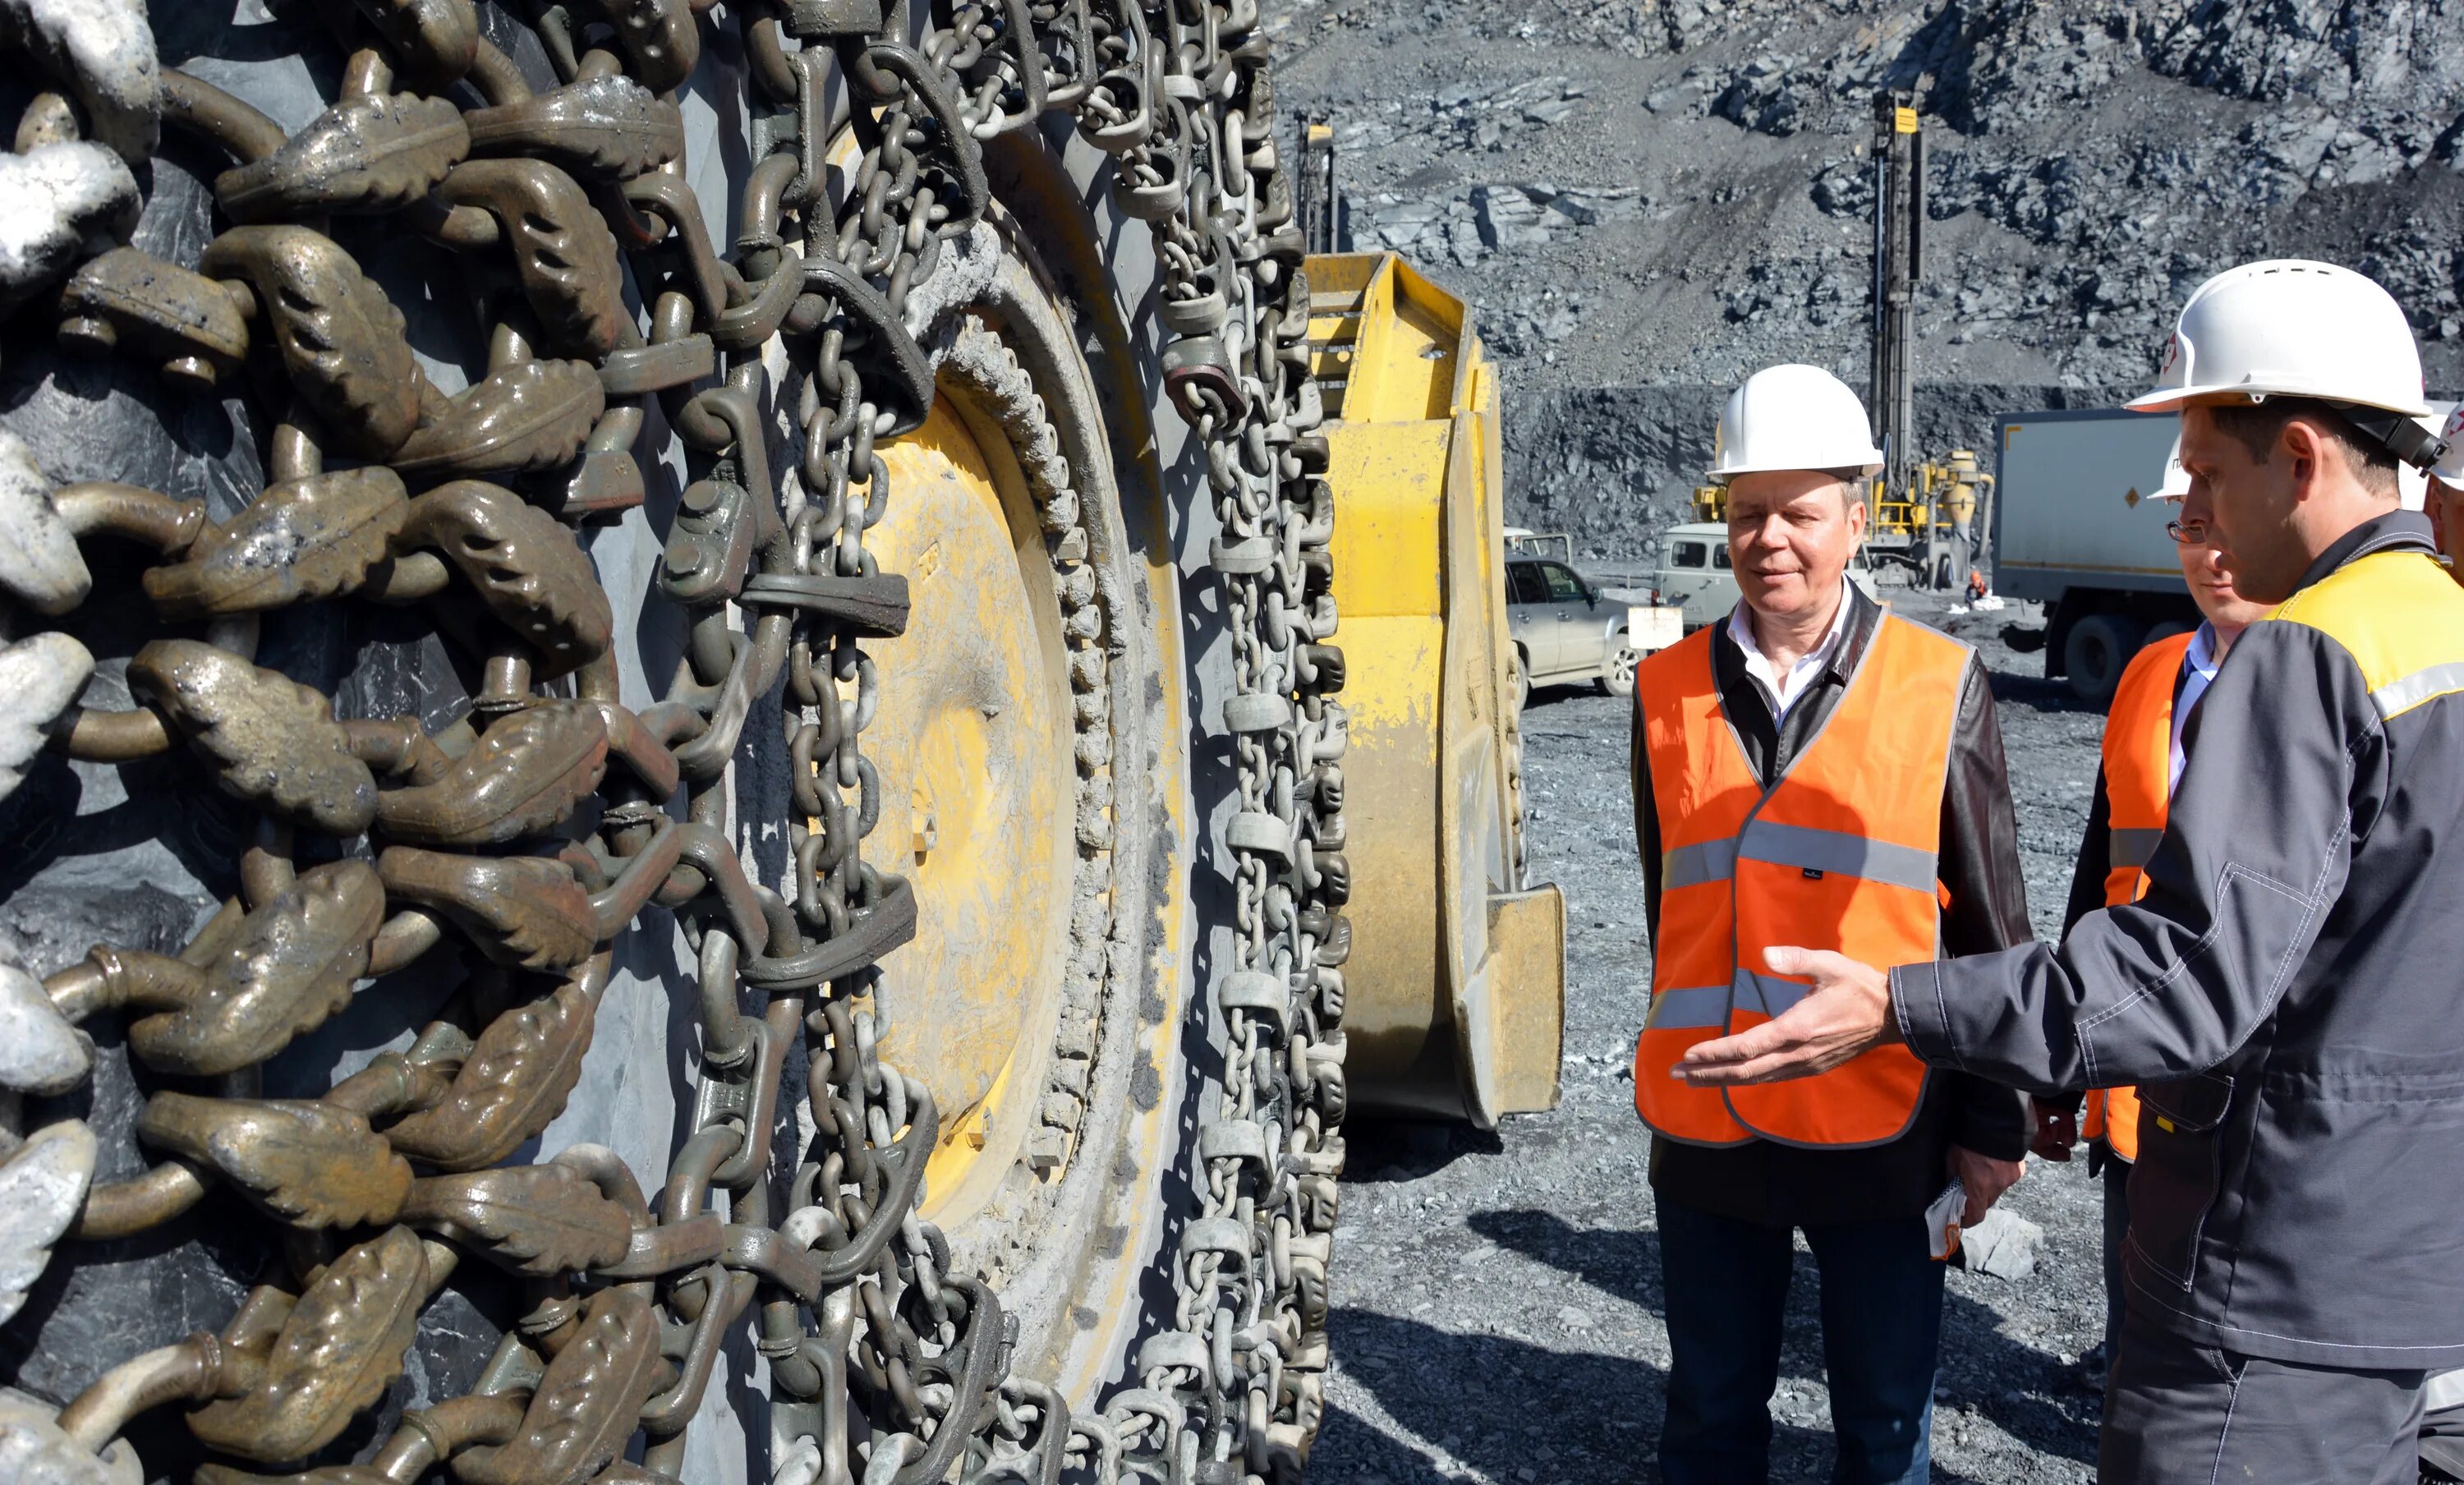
x,y
2179,1414
1726,1285
2117,1226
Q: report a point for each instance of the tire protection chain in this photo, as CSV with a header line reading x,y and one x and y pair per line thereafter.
x,y
884,1366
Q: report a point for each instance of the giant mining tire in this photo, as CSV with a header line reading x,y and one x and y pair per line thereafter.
x,y
671,1236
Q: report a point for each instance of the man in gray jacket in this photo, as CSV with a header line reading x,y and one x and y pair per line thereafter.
x,y
2286,993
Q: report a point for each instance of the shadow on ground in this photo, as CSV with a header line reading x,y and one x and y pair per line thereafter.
x,y
1497,1405
1386,1151
2018,676
1627,1265
1504,1405
1556,692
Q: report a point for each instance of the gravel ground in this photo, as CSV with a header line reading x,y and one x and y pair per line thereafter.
x,y
1497,1295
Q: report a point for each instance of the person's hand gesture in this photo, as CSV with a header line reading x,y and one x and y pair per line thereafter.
x,y
1848,1012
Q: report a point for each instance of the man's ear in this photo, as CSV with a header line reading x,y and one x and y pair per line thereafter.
x,y
2301,443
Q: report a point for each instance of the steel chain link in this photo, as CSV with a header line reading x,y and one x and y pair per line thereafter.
x,y
884,1364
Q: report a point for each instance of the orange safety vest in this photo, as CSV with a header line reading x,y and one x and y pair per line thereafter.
x,y
1837,853
2138,788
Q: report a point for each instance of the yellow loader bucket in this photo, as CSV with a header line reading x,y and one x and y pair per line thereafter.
x,y
1455,991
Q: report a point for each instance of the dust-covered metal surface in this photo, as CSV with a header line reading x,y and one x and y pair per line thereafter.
x,y
1458,1007
448,994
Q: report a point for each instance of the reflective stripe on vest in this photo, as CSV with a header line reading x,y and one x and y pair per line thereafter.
x,y
1839,854
2138,790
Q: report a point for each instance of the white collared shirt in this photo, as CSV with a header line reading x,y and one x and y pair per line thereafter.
x,y
2198,668
1780,691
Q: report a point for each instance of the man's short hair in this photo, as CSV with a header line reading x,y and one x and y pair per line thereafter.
x,y
2256,425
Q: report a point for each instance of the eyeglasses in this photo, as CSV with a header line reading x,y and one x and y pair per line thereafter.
x,y
2187,533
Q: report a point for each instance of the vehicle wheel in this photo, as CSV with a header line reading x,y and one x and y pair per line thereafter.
x,y
1007,1002
935,987
1616,677
1522,680
2098,647
2165,631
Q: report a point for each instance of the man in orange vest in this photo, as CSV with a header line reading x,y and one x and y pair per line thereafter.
x,y
1813,758
2143,759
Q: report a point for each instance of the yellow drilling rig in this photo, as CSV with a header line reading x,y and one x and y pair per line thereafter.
x,y
1929,517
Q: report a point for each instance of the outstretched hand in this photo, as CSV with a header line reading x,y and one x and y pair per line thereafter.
x,y
1847,1011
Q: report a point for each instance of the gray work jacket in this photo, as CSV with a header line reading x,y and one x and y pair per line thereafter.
x,y
2290,992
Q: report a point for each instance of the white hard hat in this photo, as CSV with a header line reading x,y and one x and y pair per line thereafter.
x,y
1793,417
2295,328
2177,479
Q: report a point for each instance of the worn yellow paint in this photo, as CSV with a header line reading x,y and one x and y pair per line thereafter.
x,y
1526,938
1453,995
1391,1001
1101,1268
1390,484
1404,359
972,742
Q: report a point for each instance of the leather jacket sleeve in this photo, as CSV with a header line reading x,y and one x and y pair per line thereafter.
x,y
2095,856
1979,864
1647,825
1979,853
2087,894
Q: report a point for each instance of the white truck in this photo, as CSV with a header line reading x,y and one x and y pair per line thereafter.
x,y
2078,527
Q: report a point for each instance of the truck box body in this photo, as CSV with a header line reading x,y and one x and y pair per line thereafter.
x,y
2078,526
2075,503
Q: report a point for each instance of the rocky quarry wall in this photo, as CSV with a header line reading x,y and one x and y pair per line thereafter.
x,y
1644,200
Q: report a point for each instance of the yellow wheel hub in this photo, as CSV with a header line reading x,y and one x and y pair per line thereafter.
x,y
972,745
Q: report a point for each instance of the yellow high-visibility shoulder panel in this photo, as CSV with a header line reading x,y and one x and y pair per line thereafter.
x,y
2400,616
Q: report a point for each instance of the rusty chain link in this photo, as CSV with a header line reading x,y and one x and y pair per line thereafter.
x,y
536,830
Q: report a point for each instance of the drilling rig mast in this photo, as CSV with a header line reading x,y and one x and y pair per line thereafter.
x,y
1898,263
1924,513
